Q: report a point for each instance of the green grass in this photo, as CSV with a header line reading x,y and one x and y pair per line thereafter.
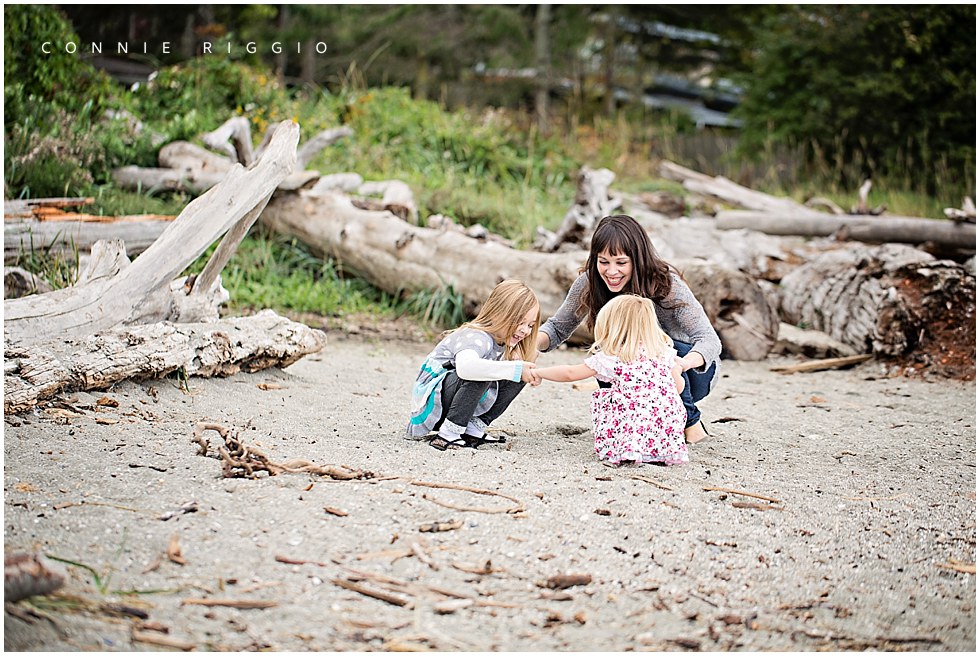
x,y
279,272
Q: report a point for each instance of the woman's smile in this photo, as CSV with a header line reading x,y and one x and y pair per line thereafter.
x,y
615,270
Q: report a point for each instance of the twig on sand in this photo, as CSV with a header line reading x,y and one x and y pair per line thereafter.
x,y
231,603
820,365
238,460
420,553
651,481
754,506
295,561
957,566
711,488
396,600
161,640
520,507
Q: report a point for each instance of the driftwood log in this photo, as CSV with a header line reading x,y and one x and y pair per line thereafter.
x,y
891,300
187,167
783,216
66,238
879,229
140,292
401,258
41,370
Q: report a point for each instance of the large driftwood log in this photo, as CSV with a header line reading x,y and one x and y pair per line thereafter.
x,y
888,300
65,238
884,228
190,168
38,371
738,308
402,258
140,293
728,191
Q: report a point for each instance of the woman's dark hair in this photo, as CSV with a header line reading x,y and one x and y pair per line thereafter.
x,y
620,234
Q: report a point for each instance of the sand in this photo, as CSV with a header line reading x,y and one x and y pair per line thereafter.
x,y
850,507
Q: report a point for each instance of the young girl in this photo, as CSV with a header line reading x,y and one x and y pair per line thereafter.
x,y
641,417
475,371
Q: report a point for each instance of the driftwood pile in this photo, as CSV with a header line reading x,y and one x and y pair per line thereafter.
x,y
136,319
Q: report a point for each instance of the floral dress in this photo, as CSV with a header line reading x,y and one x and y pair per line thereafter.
x,y
641,417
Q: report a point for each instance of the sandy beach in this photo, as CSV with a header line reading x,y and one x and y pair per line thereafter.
x,y
833,510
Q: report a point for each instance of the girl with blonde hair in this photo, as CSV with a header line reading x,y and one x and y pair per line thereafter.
x,y
475,371
640,417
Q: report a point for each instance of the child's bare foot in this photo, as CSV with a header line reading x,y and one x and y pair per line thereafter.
x,y
695,433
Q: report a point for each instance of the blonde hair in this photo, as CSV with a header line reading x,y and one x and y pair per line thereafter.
x,y
627,323
501,314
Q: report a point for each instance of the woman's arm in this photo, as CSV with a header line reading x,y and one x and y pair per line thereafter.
x,y
560,326
683,317
565,373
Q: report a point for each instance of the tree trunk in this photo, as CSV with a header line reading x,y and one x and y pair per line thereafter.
x,y
888,300
141,291
542,63
401,258
40,370
880,229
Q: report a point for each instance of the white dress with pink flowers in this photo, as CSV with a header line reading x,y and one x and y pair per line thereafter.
x,y
641,417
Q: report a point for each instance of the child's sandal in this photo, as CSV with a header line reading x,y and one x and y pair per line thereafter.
x,y
475,442
441,443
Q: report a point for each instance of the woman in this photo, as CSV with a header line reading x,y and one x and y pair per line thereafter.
x,y
622,260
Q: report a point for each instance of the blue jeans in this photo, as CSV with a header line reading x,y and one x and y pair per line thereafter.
x,y
696,385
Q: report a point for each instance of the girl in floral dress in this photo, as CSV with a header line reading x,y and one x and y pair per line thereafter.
x,y
640,418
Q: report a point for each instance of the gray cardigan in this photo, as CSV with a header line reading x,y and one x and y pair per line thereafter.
x,y
686,322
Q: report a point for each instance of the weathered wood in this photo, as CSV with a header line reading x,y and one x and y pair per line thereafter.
x,y
888,300
738,308
26,575
151,180
65,238
809,343
233,138
401,258
19,282
40,370
880,229
822,365
143,289
592,202
187,157
29,208
396,197
728,191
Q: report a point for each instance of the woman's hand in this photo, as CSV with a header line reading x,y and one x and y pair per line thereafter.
x,y
692,360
